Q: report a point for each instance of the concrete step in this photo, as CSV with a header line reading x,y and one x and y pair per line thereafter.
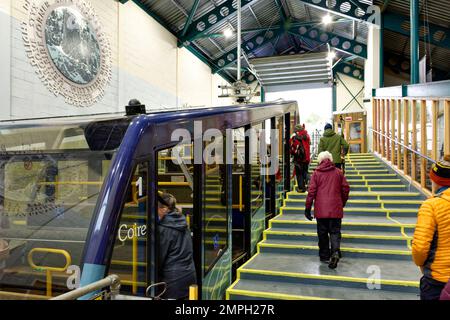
x,y
370,212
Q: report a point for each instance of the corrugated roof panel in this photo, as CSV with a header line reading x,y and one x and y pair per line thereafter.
x,y
400,44
437,11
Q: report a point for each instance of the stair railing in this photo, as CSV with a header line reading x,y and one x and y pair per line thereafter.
x,y
112,281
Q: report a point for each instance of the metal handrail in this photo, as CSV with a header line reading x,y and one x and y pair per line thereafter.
x,y
404,146
112,281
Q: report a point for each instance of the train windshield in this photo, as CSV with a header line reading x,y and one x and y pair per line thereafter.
x,y
50,179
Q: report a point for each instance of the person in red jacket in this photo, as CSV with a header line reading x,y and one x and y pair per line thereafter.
x,y
445,294
329,191
300,150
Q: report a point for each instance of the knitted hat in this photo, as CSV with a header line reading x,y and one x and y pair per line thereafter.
x,y
299,127
328,126
440,172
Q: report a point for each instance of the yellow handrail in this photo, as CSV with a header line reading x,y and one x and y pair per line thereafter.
x,y
240,193
193,292
49,269
135,260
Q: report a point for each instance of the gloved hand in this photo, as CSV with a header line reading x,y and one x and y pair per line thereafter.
x,y
308,214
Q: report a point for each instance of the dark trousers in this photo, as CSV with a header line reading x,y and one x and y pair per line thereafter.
x,y
329,232
301,174
430,289
179,288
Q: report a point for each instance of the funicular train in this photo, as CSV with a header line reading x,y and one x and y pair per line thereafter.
x,y
78,196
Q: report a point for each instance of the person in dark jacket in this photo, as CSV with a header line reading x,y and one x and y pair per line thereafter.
x,y
176,263
329,191
301,162
334,144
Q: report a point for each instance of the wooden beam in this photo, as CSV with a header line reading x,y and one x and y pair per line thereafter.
x,y
379,125
393,136
447,127
414,140
399,133
388,129
405,135
374,124
423,142
383,131
434,126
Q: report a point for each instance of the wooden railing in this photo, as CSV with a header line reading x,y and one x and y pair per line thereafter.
x,y
412,130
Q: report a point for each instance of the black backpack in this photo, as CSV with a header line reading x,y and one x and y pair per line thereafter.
x,y
297,148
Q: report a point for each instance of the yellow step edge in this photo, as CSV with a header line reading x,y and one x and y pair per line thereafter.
x,y
270,295
365,193
344,235
344,249
362,224
376,210
373,180
369,201
404,283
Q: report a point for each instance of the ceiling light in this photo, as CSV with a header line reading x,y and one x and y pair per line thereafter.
x,y
327,19
331,55
228,33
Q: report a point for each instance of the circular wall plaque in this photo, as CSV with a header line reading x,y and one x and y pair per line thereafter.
x,y
65,43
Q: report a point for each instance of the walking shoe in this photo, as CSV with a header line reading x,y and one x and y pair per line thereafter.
x,y
334,261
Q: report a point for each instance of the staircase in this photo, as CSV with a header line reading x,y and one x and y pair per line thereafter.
x,y
377,229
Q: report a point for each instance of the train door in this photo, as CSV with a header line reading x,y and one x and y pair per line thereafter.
x,y
175,175
279,181
215,219
241,228
130,259
255,182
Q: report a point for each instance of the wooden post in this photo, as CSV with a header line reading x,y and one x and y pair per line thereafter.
x,y
423,142
379,126
388,129
447,127
399,133
383,131
393,135
434,118
405,135
414,139
374,124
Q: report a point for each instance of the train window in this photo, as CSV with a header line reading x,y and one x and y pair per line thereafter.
x,y
129,258
257,194
46,205
215,208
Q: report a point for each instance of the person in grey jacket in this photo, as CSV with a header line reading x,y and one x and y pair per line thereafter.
x,y
176,262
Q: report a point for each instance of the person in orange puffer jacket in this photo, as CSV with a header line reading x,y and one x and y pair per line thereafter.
x,y
431,242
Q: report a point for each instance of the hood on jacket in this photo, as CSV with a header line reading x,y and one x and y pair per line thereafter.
x,y
174,220
326,165
329,133
445,194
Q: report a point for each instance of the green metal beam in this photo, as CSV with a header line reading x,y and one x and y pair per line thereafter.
x,y
204,24
354,97
259,40
435,34
349,70
190,17
346,8
351,47
415,55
